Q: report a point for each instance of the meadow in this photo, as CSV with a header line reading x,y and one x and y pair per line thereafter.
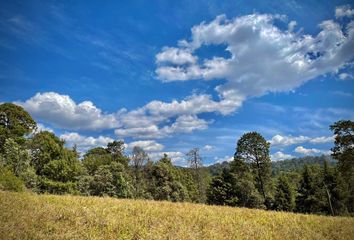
x,y
31,216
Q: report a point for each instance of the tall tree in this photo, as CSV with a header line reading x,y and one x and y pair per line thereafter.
x,y
253,149
45,147
15,158
284,195
138,159
15,122
311,196
162,182
343,151
195,162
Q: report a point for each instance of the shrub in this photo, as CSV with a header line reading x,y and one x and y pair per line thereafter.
x,y
9,182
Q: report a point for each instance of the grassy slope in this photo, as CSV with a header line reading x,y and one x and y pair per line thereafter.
x,y
30,216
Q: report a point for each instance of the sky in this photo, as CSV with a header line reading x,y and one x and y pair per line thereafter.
x,y
169,76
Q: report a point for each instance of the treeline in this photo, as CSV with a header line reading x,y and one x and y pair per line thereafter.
x,y
40,162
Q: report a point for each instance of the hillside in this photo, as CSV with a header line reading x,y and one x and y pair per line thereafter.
x,y
294,164
30,216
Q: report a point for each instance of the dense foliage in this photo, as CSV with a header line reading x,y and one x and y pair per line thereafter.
x,y
39,161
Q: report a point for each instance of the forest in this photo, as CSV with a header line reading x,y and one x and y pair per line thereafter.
x,y
39,161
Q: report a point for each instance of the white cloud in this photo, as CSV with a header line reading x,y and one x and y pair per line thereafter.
x,y
321,140
310,151
149,128
177,158
344,11
226,158
148,145
63,112
279,140
84,143
208,148
41,128
345,76
285,60
280,156
175,56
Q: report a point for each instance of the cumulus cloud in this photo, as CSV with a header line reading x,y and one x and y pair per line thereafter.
x,y
208,147
148,145
150,128
280,156
84,143
41,127
176,56
284,59
345,76
226,158
310,151
62,111
344,11
279,140
177,158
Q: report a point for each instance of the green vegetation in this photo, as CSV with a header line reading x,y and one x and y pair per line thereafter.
x,y
40,162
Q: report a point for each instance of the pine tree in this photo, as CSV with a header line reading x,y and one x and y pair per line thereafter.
x,y
284,195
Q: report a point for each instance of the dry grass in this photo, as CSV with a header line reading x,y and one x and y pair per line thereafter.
x,y
30,216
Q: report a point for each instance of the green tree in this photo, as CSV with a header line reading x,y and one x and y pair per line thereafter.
x,y
96,157
15,122
163,184
139,159
335,189
116,149
284,195
311,196
45,147
15,158
221,190
244,184
102,183
343,151
253,149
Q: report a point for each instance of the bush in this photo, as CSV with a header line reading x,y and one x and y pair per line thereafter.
x,y
54,187
9,182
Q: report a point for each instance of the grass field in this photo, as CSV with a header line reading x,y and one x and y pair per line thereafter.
x,y
30,216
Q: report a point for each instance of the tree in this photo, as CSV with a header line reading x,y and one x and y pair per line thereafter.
x,y
15,122
45,147
196,163
284,195
343,151
96,157
138,159
221,189
311,196
163,184
15,158
116,149
253,149
102,183
244,185
335,189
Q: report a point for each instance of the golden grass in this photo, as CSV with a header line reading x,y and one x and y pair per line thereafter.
x,y
31,216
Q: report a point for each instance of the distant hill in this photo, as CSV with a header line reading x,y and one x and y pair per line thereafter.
x,y
295,164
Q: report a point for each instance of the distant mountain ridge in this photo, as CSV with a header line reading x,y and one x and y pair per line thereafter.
x,y
294,164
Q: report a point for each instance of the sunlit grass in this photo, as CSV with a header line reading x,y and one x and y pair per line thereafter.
x,y
30,216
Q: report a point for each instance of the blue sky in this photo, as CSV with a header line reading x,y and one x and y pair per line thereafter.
x,y
173,75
